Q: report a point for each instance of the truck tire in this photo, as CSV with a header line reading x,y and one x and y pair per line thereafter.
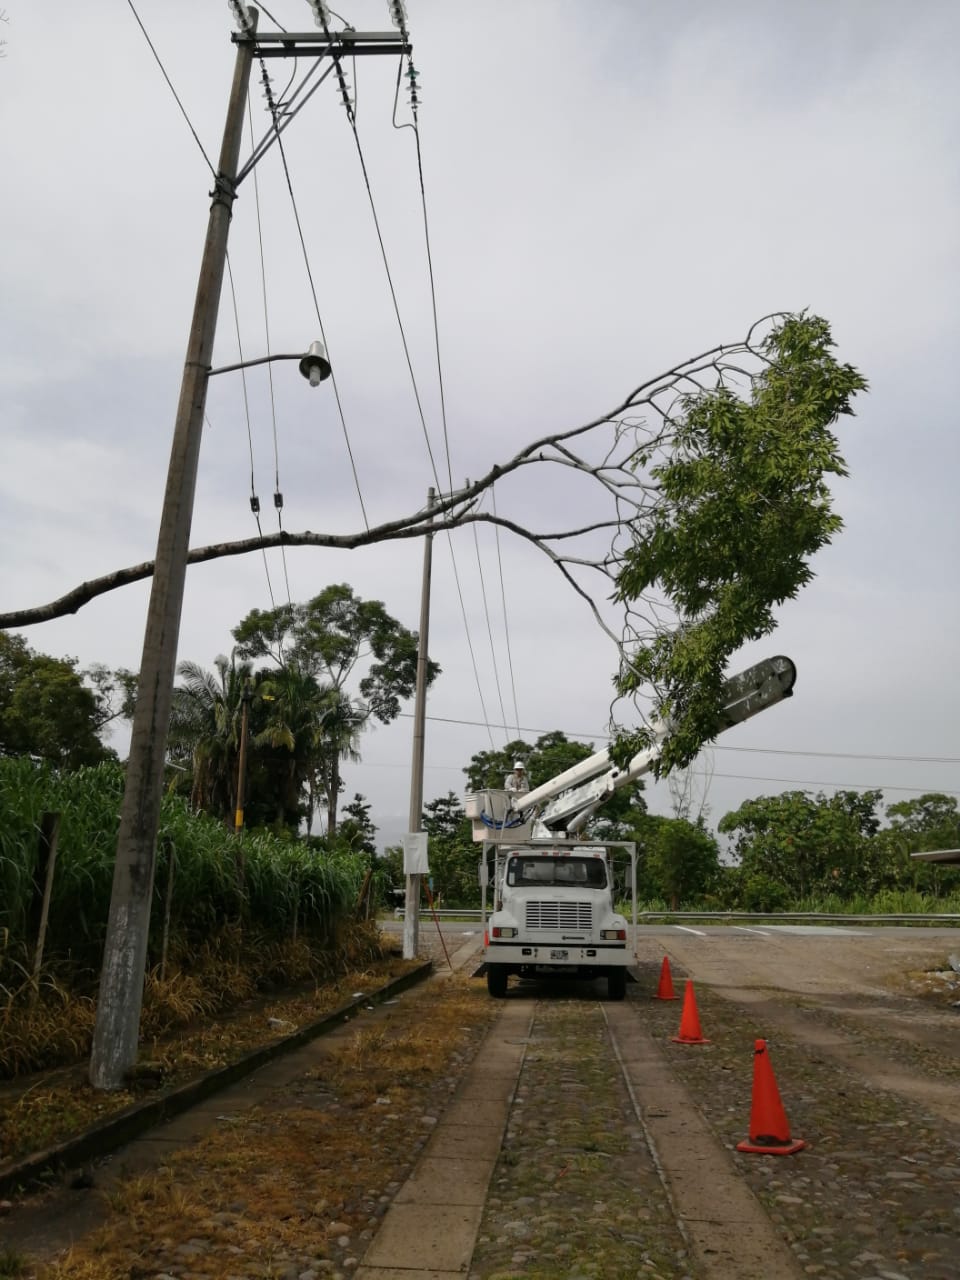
x,y
616,984
497,980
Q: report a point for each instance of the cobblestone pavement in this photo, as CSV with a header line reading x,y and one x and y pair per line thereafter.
x,y
870,1078
576,1191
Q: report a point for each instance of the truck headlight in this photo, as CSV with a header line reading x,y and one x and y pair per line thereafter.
x,y
619,935
500,932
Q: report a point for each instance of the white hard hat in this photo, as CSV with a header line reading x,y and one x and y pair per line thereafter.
x,y
518,764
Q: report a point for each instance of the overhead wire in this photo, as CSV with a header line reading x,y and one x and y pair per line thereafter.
x,y
412,76
254,499
352,121
272,108
493,650
414,124
350,108
503,602
163,70
716,746
277,492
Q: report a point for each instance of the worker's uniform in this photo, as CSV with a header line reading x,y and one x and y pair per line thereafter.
x,y
517,781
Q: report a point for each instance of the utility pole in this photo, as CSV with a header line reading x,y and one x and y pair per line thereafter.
x,y
411,915
124,957
116,1032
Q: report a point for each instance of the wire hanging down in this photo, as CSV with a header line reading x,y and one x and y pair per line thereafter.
x,y
272,108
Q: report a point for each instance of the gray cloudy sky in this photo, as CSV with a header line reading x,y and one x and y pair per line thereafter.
x,y
611,187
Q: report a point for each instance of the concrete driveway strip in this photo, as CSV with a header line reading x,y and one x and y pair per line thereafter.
x,y
727,1228
430,1230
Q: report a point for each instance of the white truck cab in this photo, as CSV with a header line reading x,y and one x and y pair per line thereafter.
x,y
554,913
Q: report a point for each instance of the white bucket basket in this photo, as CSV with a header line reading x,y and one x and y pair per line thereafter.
x,y
492,818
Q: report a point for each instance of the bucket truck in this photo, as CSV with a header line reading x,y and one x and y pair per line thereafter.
x,y
553,891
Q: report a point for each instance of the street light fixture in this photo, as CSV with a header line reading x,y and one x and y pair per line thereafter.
x,y
314,365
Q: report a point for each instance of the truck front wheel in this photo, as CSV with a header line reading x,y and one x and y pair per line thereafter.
x,y
497,980
617,984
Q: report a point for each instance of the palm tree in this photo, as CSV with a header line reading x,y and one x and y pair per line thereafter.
x,y
290,738
204,731
340,727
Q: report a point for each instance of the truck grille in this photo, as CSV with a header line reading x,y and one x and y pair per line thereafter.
x,y
577,916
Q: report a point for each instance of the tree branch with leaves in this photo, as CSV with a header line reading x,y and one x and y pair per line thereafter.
x,y
703,496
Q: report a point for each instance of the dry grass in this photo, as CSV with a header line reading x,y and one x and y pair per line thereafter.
x,y
41,1112
265,1186
226,972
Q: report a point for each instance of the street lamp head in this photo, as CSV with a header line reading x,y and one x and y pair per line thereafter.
x,y
315,366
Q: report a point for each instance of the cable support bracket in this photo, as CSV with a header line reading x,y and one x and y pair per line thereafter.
x,y
224,190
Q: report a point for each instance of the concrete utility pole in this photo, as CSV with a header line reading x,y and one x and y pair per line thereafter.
x,y
124,958
120,1000
411,915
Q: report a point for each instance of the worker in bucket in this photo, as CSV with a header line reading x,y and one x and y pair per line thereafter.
x,y
518,780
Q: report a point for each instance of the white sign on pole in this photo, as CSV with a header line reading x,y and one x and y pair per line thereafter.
x,y
415,854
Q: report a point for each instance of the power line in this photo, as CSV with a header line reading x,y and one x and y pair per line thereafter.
x,y
503,601
842,786
254,500
714,746
399,16
277,494
352,121
493,651
415,126
272,108
843,755
163,70
473,656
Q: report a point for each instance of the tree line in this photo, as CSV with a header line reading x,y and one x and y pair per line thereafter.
x,y
792,851
312,676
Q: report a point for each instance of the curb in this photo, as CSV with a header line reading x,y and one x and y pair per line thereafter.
x,y
119,1129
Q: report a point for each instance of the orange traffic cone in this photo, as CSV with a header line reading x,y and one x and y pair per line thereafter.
x,y
665,989
690,1032
769,1130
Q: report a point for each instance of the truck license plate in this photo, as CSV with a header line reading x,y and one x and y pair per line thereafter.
x,y
559,955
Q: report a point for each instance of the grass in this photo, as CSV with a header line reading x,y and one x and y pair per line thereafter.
x,y
280,887
54,1107
267,1183
223,972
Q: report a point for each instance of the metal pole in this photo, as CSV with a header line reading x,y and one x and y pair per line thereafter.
x,y
411,916
125,951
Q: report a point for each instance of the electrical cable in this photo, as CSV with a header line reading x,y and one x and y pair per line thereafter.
x,y
277,494
412,75
263,9
254,500
503,601
415,126
350,108
714,746
840,786
493,651
352,121
271,107
473,656
183,110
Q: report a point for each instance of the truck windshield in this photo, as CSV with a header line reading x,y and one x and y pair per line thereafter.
x,y
586,872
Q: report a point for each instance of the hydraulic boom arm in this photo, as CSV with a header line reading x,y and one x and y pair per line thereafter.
x,y
570,799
